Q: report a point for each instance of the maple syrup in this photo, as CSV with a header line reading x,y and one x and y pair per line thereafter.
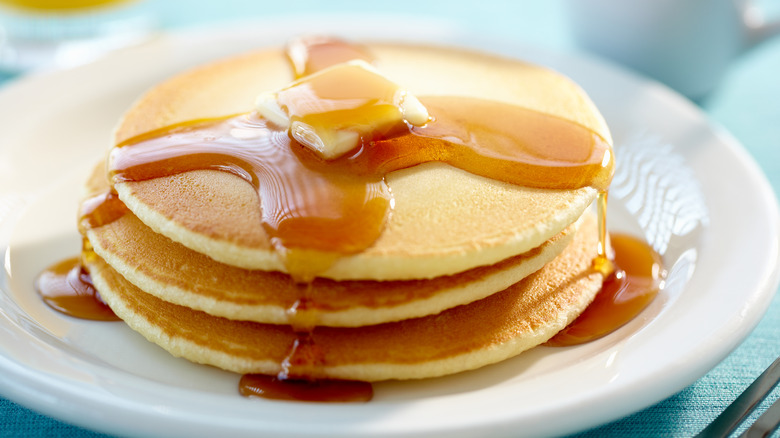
x,y
321,390
635,279
341,205
295,380
100,209
67,287
303,314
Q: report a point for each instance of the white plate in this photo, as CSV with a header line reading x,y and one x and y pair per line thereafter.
x,y
683,184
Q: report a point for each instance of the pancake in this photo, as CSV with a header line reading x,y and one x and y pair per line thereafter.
x,y
462,338
444,220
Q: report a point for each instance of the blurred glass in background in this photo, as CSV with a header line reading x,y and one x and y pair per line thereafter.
x,y
61,33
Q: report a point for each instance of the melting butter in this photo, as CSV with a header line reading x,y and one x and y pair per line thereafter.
x,y
336,109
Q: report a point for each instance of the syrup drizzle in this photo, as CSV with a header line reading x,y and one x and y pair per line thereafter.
x,y
303,313
304,358
602,263
321,390
347,201
67,287
100,209
635,280
296,381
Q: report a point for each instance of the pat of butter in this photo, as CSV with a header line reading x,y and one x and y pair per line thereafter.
x,y
333,110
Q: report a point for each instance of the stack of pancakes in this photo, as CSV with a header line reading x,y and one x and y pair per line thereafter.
x,y
468,271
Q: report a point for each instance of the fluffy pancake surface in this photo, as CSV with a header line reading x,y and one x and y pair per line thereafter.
x,y
444,220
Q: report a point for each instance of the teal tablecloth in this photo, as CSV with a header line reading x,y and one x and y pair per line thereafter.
x,y
746,103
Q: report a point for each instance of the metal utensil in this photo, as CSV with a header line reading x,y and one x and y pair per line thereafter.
x,y
740,408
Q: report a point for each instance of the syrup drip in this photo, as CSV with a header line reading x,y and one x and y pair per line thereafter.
x,y
67,287
100,209
295,382
303,359
303,314
602,263
636,279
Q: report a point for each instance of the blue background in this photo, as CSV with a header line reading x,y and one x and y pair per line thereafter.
x,y
746,103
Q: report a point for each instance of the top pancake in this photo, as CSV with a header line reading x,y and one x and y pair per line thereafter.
x,y
444,220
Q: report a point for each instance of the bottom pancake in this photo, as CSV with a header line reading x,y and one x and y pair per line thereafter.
x,y
459,339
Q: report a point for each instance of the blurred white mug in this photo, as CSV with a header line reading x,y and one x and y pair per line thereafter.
x,y
687,44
